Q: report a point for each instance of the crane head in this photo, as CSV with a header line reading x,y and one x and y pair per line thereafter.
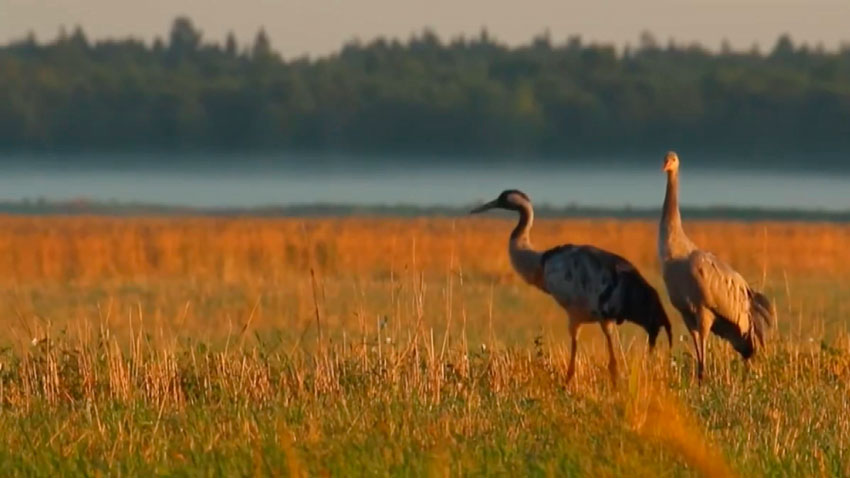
x,y
654,329
511,199
655,318
671,162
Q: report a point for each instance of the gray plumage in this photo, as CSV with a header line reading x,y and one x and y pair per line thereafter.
x,y
710,295
605,284
591,284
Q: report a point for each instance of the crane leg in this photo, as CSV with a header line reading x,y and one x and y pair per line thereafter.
x,y
607,329
697,351
574,326
705,321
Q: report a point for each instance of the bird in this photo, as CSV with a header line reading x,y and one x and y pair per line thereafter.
x,y
709,294
592,285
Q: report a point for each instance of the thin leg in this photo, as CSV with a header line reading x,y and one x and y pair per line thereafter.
x,y
697,351
706,320
571,370
607,329
704,339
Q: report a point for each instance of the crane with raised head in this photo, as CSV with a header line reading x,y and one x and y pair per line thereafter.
x,y
710,295
592,285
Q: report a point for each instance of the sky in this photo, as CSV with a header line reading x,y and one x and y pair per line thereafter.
x,y
319,27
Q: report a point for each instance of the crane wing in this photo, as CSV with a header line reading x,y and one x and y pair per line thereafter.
x,y
574,276
722,290
602,283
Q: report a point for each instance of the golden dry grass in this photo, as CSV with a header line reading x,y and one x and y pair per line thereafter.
x,y
90,249
222,347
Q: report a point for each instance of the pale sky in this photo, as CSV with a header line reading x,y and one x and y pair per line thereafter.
x,y
317,27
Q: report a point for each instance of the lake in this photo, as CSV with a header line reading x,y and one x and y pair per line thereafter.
x,y
298,179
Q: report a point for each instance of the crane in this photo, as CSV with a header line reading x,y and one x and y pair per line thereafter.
x,y
592,285
708,293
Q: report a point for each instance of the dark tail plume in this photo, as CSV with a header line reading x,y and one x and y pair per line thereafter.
x,y
763,315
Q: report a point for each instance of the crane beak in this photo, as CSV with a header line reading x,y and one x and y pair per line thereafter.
x,y
670,161
486,206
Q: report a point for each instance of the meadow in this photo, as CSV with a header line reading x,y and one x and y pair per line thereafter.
x,y
201,346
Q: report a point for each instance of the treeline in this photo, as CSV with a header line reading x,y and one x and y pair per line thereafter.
x,y
423,95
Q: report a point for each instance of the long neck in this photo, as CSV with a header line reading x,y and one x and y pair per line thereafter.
x,y
672,239
521,235
670,215
524,259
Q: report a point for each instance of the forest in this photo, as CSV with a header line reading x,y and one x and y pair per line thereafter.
x,y
465,96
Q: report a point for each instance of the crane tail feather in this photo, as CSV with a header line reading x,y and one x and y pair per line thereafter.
x,y
763,314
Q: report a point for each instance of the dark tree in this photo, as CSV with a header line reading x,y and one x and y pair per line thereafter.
x,y
230,46
784,48
262,49
184,40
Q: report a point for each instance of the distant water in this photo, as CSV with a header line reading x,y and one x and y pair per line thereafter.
x,y
299,180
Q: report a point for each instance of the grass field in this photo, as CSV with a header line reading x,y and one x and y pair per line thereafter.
x,y
347,347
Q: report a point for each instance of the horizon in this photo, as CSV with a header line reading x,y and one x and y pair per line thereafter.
x,y
707,23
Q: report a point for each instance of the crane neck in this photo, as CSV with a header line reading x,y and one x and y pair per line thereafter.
x,y
521,235
672,239
524,259
670,212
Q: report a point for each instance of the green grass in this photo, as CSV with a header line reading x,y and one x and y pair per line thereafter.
x,y
75,407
